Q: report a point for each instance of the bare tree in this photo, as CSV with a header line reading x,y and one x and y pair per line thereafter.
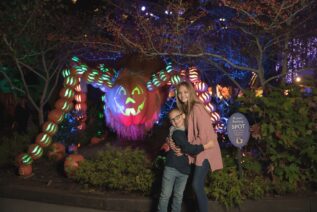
x,y
26,47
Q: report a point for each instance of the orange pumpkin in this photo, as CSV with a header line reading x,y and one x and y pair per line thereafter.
x,y
57,151
67,93
43,139
56,156
35,151
49,128
95,140
58,147
56,116
23,159
72,163
90,75
70,81
25,170
64,105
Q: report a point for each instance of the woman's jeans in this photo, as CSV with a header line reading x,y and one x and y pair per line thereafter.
x,y
172,180
198,184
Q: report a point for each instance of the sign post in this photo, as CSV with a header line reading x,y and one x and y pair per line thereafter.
x,y
238,129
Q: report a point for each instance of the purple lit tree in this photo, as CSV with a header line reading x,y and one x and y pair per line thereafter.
x,y
246,36
302,59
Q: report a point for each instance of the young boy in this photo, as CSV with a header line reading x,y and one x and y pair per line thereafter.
x,y
177,168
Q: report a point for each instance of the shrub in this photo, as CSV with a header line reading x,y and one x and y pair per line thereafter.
x,y
225,187
118,169
230,189
283,131
11,146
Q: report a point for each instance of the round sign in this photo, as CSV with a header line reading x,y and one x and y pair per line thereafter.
x,y
238,130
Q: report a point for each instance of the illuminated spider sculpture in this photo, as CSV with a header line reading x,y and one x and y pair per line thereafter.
x,y
132,101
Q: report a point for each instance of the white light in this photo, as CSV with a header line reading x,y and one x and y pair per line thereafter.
x,y
166,12
143,8
298,79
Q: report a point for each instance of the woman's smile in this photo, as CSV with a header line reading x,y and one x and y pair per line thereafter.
x,y
183,94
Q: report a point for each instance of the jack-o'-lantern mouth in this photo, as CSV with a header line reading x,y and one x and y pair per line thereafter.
x,y
131,110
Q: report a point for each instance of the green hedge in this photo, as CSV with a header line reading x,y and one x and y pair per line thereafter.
x,y
11,146
118,169
284,134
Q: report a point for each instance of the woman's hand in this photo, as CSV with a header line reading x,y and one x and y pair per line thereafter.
x,y
210,144
177,150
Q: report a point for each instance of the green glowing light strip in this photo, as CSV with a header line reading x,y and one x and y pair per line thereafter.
x,y
27,159
65,73
75,59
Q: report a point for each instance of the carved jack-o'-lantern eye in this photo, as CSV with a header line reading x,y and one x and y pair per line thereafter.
x,y
137,90
122,91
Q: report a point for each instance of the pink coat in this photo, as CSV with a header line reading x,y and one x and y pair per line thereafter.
x,y
200,131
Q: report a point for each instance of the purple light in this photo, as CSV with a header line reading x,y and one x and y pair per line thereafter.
x,y
303,54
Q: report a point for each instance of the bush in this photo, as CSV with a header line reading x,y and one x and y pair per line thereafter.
x,y
117,169
11,146
283,132
225,187
230,189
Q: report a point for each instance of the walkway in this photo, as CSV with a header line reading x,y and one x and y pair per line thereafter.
x,y
17,198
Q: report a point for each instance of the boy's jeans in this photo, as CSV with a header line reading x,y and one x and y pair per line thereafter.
x,y
172,180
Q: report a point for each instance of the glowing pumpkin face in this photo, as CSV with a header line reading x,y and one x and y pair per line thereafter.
x,y
130,108
130,102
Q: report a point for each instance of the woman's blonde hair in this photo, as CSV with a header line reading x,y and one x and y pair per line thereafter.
x,y
186,107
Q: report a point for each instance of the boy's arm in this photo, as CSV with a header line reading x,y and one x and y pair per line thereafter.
x,y
180,139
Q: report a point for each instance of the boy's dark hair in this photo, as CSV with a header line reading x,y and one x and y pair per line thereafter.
x,y
174,110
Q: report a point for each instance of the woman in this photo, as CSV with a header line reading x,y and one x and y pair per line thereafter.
x,y
200,131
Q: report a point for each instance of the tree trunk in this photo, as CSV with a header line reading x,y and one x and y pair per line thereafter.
x,y
285,59
41,115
